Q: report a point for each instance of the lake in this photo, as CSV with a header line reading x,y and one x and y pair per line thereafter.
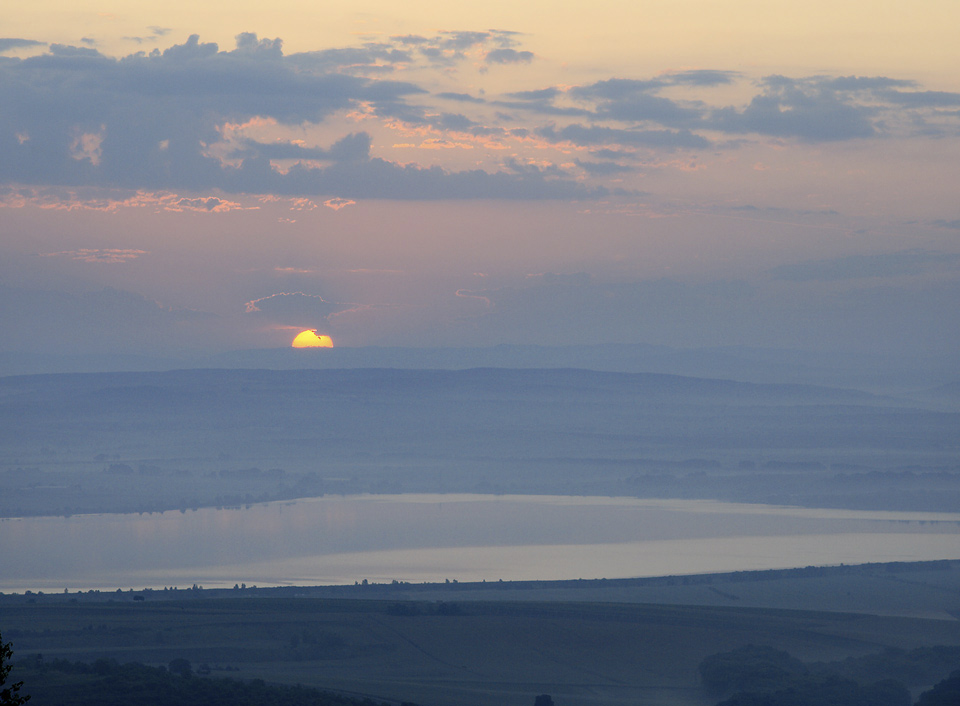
x,y
419,538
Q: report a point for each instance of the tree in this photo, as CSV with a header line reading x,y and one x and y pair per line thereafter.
x,y
945,693
180,666
10,696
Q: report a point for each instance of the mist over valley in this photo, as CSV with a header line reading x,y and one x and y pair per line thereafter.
x,y
134,442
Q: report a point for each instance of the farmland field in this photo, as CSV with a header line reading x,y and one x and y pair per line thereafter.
x,y
441,645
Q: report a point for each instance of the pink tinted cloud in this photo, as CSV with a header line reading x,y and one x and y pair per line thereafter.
x,y
70,200
302,204
337,203
298,203
206,204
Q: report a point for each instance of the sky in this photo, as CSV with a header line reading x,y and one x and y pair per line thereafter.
x,y
201,177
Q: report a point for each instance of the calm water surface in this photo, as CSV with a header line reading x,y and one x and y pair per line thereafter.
x,y
336,540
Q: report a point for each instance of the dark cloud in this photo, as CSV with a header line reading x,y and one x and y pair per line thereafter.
x,y
149,115
450,47
509,56
193,49
647,108
463,97
604,168
544,107
702,77
378,178
249,43
353,147
143,122
596,135
861,83
454,121
616,88
462,40
8,43
635,101
250,149
68,51
814,109
155,34
540,94
486,131
822,108
518,167
371,56
923,99
414,39
789,108
611,154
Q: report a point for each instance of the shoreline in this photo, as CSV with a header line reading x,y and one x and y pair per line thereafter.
x,y
537,590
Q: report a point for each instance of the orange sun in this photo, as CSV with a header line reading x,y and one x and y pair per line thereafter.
x,y
310,339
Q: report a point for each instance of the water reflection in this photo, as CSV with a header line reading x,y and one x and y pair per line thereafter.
x,y
415,538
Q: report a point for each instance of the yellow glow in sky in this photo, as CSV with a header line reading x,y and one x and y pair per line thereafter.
x,y
881,37
310,339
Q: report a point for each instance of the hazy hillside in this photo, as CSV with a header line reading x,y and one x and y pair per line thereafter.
x,y
86,442
878,373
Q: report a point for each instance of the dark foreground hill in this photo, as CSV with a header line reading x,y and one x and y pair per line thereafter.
x,y
455,650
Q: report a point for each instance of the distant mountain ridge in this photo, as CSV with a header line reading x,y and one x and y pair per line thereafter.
x,y
189,384
875,373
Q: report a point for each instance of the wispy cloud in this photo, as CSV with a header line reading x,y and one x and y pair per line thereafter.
x,y
88,199
11,43
468,294
107,256
254,305
290,271
293,308
881,266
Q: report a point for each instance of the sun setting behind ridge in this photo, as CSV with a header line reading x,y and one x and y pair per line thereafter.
x,y
310,339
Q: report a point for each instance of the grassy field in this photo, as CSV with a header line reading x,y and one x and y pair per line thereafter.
x,y
458,650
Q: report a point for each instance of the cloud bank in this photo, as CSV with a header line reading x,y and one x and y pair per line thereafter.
x,y
186,118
